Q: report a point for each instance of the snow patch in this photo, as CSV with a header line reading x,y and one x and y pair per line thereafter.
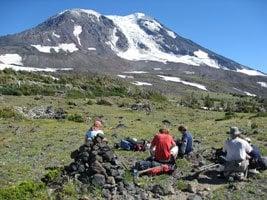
x,y
65,47
172,34
250,72
152,25
189,72
91,48
245,92
129,26
263,84
201,54
205,59
113,40
76,32
135,72
250,94
141,83
56,35
52,77
14,59
178,80
32,69
157,68
124,76
78,12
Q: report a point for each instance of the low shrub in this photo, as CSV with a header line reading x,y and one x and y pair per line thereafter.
x,y
89,102
76,118
52,175
9,113
254,125
24,190
104,102
181,185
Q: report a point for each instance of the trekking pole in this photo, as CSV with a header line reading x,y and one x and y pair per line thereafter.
x,y
209,166
200,170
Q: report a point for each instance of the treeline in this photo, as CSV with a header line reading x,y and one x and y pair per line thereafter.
x,y
238,103
71,85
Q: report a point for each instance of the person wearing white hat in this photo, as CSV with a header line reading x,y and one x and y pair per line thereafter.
x,y
237,150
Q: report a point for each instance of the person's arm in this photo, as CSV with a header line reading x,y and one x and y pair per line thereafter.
x,y
224,147
153,143
248,149
173,143
86,137
183,145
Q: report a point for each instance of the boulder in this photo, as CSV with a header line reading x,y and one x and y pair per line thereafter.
x,y
98,180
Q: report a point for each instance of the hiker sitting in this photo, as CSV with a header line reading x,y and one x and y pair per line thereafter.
x,y
255,158
163,148
186,143
237,150
94,131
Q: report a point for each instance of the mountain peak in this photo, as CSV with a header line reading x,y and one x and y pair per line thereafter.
x,y
138,15
79,12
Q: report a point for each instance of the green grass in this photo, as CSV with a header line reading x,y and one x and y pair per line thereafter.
x,y
23,191
27,146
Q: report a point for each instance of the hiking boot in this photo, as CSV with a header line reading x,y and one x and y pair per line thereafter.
x,y
241,176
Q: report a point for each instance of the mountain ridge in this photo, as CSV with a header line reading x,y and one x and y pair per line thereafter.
x,y
85,40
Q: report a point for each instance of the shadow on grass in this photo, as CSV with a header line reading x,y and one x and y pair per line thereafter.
x,y
209,177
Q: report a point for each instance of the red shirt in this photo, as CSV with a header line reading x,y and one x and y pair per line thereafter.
x,y
163,143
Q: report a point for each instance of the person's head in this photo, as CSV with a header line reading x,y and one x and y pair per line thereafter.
x,y
182,129
97,124
164,131
234,132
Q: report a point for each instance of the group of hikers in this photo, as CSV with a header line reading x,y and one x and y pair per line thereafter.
x,y
237,156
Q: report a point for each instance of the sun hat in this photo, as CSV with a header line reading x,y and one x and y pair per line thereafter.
x,y
234,131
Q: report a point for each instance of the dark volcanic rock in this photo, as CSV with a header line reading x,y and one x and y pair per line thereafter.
x,y
98,180
166,189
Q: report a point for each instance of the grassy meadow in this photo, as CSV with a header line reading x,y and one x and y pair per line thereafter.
x,y
28,147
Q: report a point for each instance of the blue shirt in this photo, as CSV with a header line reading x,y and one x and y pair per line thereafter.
x,y
90,134
187,143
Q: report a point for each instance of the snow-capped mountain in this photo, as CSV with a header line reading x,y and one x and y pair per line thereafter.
x,y
79,39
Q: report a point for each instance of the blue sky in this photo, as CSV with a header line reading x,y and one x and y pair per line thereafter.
x,y
236,29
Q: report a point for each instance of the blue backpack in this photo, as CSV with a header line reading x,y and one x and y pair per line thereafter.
x,y
126,145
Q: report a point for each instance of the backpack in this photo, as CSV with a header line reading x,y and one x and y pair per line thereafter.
x,y
263,163
126,145
130,144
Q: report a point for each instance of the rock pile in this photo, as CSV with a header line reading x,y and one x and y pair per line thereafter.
x,y
42,112
95,163
142,107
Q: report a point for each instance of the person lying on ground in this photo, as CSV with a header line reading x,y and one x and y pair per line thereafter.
x,y
94,131
186,143
237,154
163,147
132,144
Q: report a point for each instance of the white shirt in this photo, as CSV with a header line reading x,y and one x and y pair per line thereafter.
x,y
236,149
